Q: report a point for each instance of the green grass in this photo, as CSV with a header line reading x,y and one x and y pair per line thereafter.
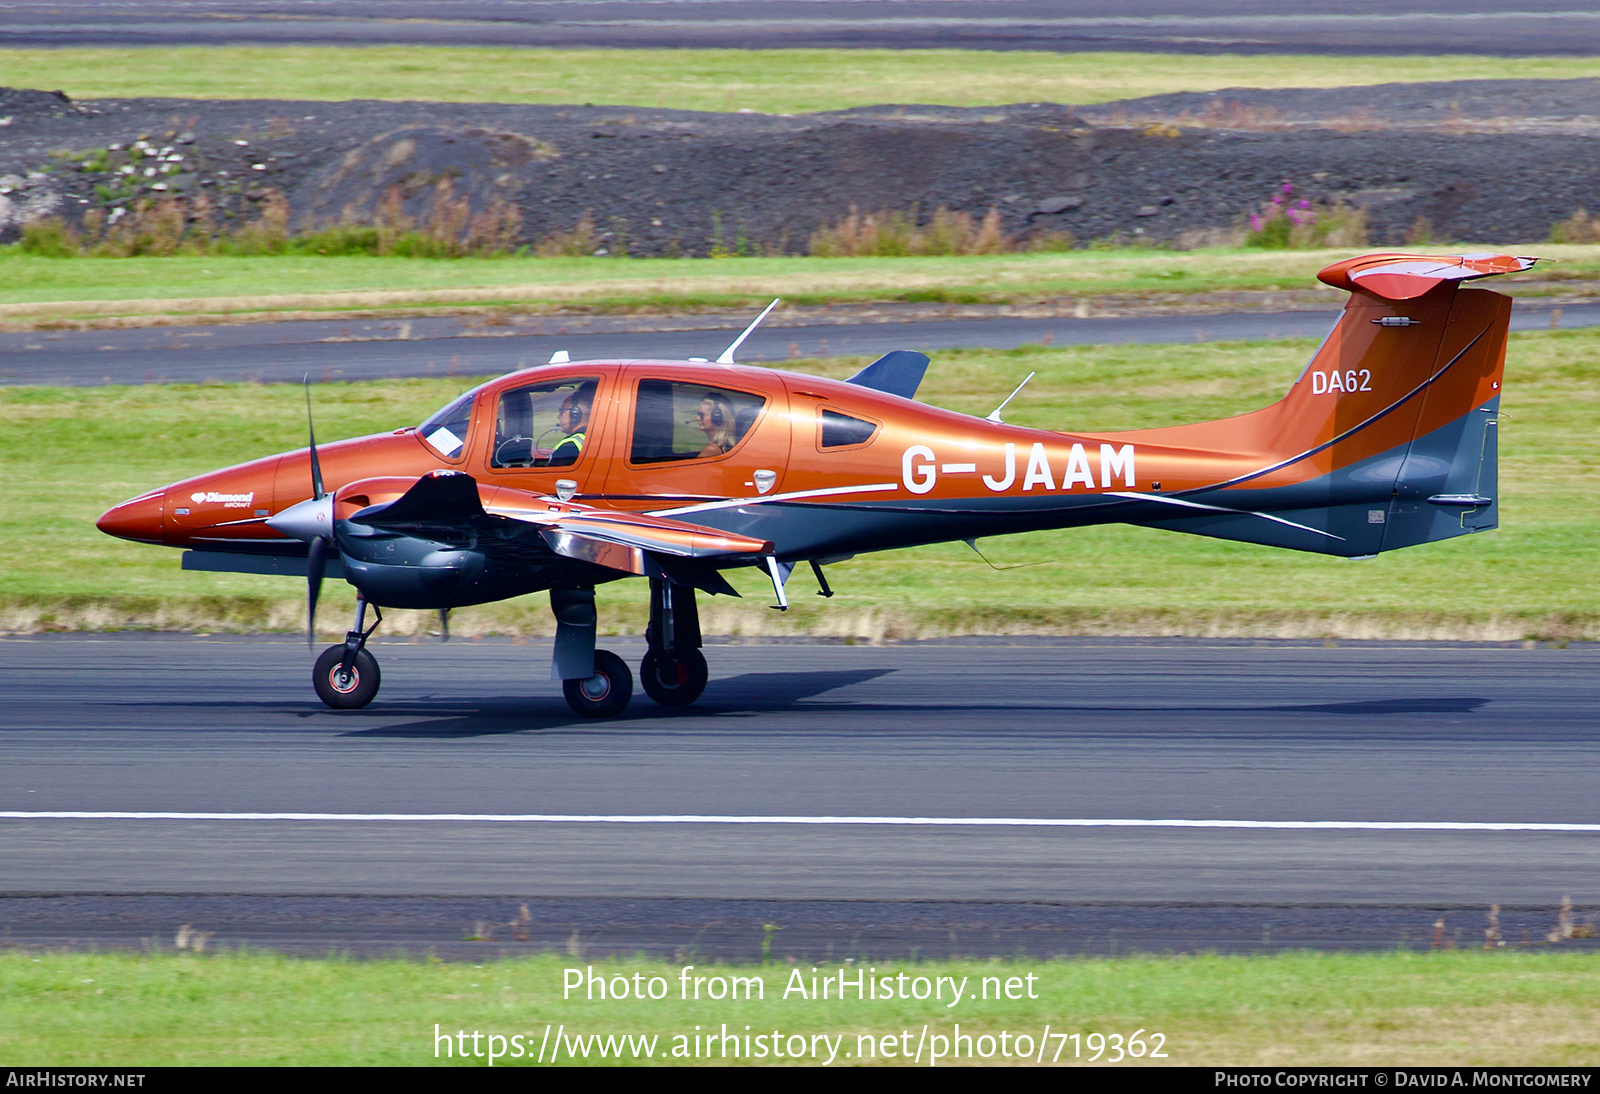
x,y
769,81
1451,1008
71,453
45,291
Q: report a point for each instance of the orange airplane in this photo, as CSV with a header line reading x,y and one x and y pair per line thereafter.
x,y
576,473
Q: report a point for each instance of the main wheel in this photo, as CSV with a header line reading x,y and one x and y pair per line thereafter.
x,y
673,680
345,691
604,694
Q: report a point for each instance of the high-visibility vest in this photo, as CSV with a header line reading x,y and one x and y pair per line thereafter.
x,y
575,440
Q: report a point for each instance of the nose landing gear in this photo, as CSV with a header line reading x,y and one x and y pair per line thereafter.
x,y
346,677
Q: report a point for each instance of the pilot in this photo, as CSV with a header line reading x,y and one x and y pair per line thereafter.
x,y
573,420
715,420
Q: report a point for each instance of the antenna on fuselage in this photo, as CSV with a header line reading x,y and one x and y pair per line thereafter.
x,y
727,354
994,415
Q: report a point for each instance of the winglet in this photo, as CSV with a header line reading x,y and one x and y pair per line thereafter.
x,y
727,354
898,372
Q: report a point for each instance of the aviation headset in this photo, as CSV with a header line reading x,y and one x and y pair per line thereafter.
x,y
716,412
579,403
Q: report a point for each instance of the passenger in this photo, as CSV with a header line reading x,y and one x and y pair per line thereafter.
x,y
715,420
573,420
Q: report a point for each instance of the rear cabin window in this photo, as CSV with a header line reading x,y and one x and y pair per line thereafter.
x,y
544,425
839,430
679,421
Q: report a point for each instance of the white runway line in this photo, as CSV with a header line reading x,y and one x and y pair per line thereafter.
x,y
922,822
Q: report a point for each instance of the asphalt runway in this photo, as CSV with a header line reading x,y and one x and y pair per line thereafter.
x,y
1094,731
1197,26
379,349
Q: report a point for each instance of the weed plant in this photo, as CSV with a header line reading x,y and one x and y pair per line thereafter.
x,y
1285,221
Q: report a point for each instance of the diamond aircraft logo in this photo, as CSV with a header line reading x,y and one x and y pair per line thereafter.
x,y
228,501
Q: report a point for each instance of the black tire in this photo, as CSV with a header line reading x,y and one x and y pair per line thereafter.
x,y
673,680
606,693
349,694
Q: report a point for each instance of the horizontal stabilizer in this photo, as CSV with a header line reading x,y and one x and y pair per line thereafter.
x,y
1408,276
899,373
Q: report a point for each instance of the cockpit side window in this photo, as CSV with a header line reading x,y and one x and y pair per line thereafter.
x,y
446,431
544,425
678,421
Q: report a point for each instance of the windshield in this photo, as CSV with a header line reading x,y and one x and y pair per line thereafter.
x,y
446,431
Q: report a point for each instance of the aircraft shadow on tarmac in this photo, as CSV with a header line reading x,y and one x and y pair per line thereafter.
x,y
771,692
777,692
751,693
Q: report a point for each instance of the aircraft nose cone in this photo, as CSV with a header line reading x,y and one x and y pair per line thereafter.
x,y
138,519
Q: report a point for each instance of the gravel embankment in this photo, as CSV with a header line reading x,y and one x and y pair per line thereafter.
x,y
1490,161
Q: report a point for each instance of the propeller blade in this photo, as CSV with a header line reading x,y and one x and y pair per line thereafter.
x,y
316,563
316,468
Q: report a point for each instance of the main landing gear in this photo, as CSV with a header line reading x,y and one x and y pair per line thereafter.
x,y
346,677
597,683
603,694
674,671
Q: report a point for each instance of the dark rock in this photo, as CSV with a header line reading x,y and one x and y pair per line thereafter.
x,y
1052,206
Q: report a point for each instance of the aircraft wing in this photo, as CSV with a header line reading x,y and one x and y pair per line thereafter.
x,y
518,525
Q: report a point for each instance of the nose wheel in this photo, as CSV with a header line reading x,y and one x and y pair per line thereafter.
x,y
673,679
346,676
345,688
604,694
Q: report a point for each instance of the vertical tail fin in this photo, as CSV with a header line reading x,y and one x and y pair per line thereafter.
x,y
1388,437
